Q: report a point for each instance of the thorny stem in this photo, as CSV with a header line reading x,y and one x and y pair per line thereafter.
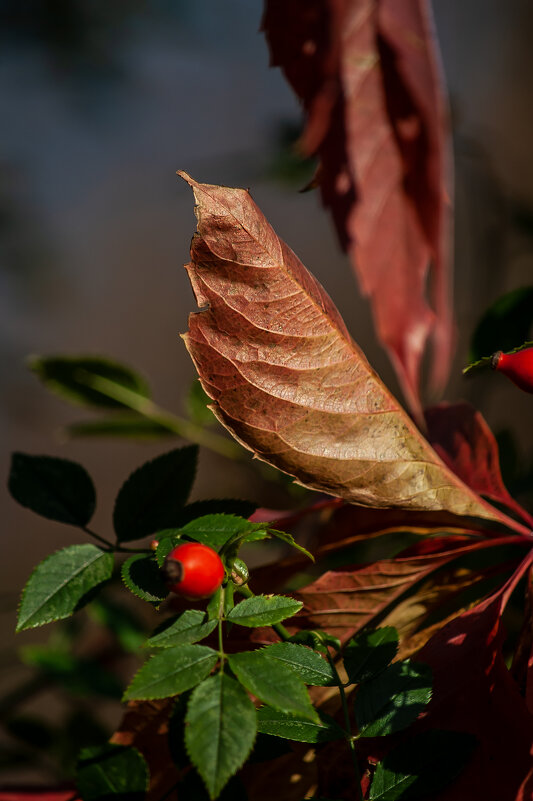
x,y
178,425
347,724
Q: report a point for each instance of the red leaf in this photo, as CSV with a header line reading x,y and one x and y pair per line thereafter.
x,y
474,692
464,441
366,73
343,602
287,380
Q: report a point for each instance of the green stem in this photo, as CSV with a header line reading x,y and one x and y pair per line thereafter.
x,y
221,607
347,724
178,425
279,628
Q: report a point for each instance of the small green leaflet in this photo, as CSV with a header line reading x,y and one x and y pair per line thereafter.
x,y
153,496
392,700
272,682
87,380
61,584
142,577
167,540
184,629
54,488
307,664
216,506
422,765
220,730
289,539
290,727
369,653
216,530
264,610
112,770
172,671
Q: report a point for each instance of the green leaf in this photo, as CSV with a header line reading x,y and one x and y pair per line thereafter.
x,y
272,682
264,610
142,577
186,628
167,540
289,539
217,506
370,653
54,488
197,402
422,765
505,325
172,671
130,425
112,772
392,700
153,496
220,730
307,664
129,630
86,380
217,530
62,583
290,727
317,639
85,677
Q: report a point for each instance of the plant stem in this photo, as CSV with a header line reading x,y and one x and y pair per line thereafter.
x,y
221,607
347,724
178,425
113,547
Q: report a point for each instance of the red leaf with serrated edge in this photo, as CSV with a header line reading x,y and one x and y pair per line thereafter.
x,y
464,441
288,381
367,74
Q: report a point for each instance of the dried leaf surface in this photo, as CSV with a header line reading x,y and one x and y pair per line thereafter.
x,y
286,378
366,73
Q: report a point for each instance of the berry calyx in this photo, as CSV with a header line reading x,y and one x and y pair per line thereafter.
x,y
517,366
193,570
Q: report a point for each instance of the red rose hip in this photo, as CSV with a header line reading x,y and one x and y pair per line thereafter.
x,y
193,570
517,366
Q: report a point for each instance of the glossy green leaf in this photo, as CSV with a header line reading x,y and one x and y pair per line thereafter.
x,y
184,629
62,583
393,699
272,682
421,766
370,653
308,665
143,578
217,530
172,671
264,610
110,772
220,730
505,325
291,727
128,426
87,380
54,488
153,496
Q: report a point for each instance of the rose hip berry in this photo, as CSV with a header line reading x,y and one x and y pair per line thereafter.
x,y
518,367
193,570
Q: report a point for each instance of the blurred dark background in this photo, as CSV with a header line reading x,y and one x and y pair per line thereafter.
x,y
100,104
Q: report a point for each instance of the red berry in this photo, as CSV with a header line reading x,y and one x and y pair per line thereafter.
x,y
193,570
517,366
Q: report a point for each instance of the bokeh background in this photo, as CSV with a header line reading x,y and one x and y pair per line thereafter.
x,y
100,103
